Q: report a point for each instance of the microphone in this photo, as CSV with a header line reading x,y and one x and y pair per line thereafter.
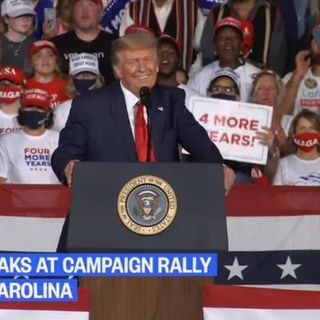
x,y
145,98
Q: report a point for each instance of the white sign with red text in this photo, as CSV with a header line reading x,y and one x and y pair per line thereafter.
x,y
232,126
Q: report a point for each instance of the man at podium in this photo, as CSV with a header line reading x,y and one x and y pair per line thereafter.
x,y
133,119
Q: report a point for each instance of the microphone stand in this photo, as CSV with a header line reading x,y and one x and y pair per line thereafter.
x,y
145,97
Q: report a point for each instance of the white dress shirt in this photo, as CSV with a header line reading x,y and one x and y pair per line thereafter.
x,y
131,101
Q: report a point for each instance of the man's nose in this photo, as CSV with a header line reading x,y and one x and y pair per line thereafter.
x,y
141,65
164,55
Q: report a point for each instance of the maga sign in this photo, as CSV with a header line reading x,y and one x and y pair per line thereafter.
x,y
232,126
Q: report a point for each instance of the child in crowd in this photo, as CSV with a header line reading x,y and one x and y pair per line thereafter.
x,y
303,167
18,17
25,155
85,76
43,55
12,82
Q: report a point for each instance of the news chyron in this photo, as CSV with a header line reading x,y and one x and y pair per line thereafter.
x,y
51,277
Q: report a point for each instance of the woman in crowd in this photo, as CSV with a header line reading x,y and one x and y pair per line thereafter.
x,y
44,60
85,76
19,18
12,82
30,159
268,89
303,167
225,85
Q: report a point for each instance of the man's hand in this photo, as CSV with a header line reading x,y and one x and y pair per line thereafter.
x,y
266,137
68,171
3,180
229,178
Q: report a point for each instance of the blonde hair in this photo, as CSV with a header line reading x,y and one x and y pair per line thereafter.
x,y
281,90
133,41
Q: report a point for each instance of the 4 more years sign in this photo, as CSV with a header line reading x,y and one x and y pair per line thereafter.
x,y
232,126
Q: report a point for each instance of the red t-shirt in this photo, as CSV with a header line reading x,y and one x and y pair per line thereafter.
x,y
56,88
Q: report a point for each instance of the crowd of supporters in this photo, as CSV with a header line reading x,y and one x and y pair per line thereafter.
x,y
263,52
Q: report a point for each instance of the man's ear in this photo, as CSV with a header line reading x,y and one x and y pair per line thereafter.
x,y
117,71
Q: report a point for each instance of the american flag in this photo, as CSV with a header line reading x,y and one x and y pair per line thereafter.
x,y
274,242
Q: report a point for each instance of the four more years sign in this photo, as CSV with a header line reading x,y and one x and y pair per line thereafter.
x,y
232,126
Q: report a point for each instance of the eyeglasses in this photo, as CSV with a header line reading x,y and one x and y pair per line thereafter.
x,y
226,90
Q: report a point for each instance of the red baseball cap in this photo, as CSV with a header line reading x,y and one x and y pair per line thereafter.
x,y
36,97
138,27
229,22
165,38
38,45
13,74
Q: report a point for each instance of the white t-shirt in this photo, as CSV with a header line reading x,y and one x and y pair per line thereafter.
x,y
61,114
189,94
8,123
297,172
27,159
201,80
308,95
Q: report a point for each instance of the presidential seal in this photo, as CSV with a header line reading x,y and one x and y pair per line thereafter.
x,y
147,205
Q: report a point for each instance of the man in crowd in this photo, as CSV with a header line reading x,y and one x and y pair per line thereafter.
x,y
169,63
269,38
303,85
86,37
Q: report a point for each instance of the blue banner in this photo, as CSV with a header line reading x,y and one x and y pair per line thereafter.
x,y
113,13
108,264
38,290
209,4
115,8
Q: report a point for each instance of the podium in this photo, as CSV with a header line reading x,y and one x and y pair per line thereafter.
x,y
152,207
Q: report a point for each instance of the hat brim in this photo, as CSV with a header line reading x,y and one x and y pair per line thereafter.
x,y
21,12
34,51
80,70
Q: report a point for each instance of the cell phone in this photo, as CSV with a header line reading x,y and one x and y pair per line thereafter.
x,y
50,18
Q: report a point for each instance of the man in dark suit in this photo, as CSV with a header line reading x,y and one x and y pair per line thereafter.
x,y
101,125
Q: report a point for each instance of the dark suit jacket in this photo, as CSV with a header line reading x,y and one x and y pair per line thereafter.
x,y
98,129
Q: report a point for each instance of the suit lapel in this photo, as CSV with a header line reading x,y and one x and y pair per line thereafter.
x,y
158,111
120,116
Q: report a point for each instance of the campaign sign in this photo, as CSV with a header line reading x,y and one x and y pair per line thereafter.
x,y
232,126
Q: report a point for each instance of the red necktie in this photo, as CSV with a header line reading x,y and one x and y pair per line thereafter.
x,y
141,134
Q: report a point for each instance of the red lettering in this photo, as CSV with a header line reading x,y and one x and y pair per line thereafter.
x,y
219,121
243,124
204,118
232,122
245,140
254,125
213,135
235,139
224,138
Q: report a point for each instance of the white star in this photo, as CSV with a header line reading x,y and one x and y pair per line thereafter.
x,y
235,269
288,269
